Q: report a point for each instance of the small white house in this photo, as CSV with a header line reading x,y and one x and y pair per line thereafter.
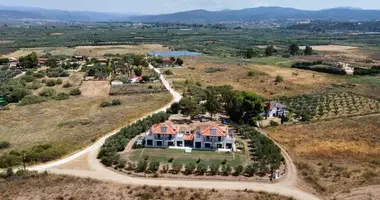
x,y
116,82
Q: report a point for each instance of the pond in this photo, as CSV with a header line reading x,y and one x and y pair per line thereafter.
x,y
174,53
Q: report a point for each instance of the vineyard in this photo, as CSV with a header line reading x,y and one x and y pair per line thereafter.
x,y
331,105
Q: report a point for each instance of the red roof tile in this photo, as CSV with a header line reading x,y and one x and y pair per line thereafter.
x,y
158,129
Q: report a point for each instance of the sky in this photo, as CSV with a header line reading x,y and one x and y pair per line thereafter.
x,y
170,6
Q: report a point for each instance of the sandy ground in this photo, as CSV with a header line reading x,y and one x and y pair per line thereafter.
x,y
99,51
6,41
95,88
333,48
364,193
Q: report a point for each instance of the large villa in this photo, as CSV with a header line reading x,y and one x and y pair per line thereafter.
x,y
206,136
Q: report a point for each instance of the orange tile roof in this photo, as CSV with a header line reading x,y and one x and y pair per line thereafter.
x,y
220,131
157,129
189,137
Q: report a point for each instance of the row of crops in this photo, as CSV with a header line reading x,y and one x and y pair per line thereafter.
x,y
331,105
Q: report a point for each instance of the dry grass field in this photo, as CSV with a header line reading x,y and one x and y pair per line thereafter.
x,y
233,73
91,51
66,187
73,123
335,156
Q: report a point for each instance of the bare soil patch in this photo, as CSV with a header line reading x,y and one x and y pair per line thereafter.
x,y
333,48
41,51
95,88
67,187
99,51
6,41
56,34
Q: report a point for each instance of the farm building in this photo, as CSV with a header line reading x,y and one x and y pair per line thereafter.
x,y
275,109
116,82
135,79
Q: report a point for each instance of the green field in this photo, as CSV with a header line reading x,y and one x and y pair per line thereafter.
x,y
207,157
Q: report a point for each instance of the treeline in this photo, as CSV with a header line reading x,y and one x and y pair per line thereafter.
x,y
321,26
372,71
116,143
313,66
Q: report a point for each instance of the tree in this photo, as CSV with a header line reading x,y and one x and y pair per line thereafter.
x,y
250,53
250,170
189,106
141,166
308,50
293,49
138,71
179,61
243,106
153,166
226,170
172,59
29,61
176,167
51,62
212,104
270,50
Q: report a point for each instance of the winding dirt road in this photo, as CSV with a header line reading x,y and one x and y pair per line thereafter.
x,y
95,170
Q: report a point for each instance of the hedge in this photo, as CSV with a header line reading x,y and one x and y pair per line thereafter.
x,y
372,71
311,66
116,143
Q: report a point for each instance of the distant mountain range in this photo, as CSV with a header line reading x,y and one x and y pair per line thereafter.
x,y
196,16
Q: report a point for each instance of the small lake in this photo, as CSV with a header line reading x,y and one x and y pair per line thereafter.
x,y
174,53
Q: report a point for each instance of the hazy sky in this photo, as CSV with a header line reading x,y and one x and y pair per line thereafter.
x,y
170,6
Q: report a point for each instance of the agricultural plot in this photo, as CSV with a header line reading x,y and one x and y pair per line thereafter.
x,y
332,105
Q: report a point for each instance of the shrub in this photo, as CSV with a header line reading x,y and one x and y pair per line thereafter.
x,y
28,78
279,79
150,87
105,104
67,85
153,166
273,123
141,166
198,160
58,81
130,166
214,70
32,99
224,162
4,144
251,73
170,160
121,164
238,170
75,92
39,74
34,86
168,72
48,92
50,83
29,72
189,168
226,170
250,170
116,102
176,167
214,169
201,168
57,72
62,96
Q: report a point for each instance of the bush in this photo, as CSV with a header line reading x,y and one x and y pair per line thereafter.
x,y
4,144
238,170
141,166
250,170
62,96
130,166
116,102
32,99
189,168
153,166
324,69
226,170
29,72
176,167
57,72
251,73
224,162
58,81
39,74
279,79
170,160
214,169
50,83
273,123
105,104
67,85
34,86
75,92
48,92
168,72
201,168
28,78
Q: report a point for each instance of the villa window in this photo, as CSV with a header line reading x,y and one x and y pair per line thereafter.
x,y
213,131
164,129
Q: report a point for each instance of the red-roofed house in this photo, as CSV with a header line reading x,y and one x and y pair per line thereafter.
x,y
135,79
41,61
208,136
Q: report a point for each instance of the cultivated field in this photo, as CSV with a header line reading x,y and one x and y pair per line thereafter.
x,y
67,187
74,123
334,156
332,48
234,72
207,157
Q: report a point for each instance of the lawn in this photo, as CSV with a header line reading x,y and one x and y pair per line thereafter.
x,y
72,124
207,157
334,156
